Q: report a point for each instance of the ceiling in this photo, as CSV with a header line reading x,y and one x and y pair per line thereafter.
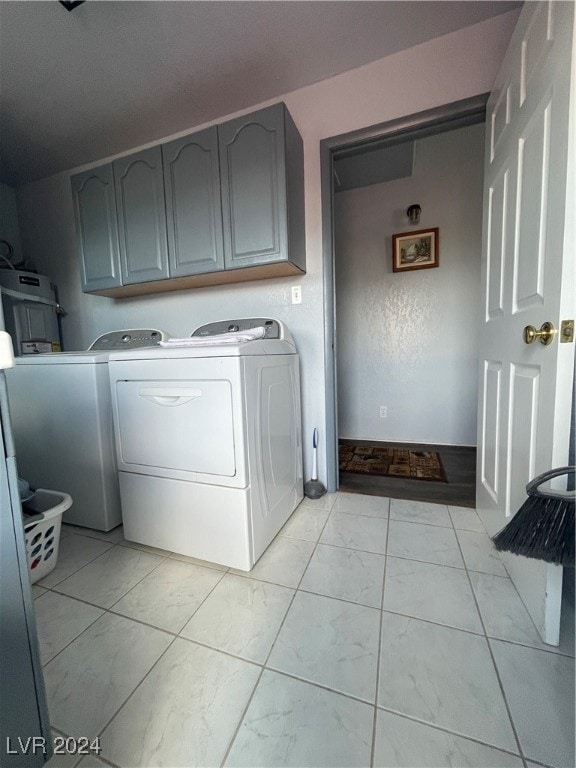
x,y
109,76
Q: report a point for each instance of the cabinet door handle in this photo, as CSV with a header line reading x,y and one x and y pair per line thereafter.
x,y
169,397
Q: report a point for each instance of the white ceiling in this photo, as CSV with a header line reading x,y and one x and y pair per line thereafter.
x,y
108,76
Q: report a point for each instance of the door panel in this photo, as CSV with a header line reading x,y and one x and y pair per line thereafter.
x,y
193,208
253,178
141,216
97,228
491,428
533,172
525,390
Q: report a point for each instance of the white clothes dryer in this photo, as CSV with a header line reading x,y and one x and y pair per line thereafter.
x,y
62,423
208,440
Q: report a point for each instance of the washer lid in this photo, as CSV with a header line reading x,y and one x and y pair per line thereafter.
x,y
63,358
100,349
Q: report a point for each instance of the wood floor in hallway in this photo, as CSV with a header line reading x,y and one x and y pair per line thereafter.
x,y
459,464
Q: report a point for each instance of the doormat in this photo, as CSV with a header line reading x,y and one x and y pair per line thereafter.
x,y
391,462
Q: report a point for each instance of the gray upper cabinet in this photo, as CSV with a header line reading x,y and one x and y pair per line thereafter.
x,y
96,228
223,205
141,216
193,208
261,172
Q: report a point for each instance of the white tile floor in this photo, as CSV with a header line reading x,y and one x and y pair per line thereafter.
x,y
371,633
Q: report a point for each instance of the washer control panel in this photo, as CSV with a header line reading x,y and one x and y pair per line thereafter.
x,y
273,327
128,339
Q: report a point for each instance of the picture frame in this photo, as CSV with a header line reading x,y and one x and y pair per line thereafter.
x,y
415,250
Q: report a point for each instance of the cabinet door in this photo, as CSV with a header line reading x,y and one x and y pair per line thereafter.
x,y
141,216
96,228
193,208
253,183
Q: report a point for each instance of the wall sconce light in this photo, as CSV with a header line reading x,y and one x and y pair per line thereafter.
x,y
413,214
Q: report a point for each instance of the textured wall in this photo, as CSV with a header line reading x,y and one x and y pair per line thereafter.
x,y
447,69
9,226
409,340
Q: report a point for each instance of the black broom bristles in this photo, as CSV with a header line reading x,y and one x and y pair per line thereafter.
x,y
543,528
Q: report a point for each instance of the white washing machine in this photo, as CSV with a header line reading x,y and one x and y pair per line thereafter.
x,y
208,440
62,422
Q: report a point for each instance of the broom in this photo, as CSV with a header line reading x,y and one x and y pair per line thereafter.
x,y
543,527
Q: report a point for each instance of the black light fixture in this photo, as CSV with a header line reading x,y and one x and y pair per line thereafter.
x,y
413,213
71,4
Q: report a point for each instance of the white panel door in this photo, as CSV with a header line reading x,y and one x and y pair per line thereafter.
x,y
528,279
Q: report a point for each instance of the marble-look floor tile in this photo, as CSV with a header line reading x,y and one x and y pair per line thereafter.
x,y
74,553
197,561
91,678
356,532
114,536
465,519
306,523
324,502
241,617
144,548
539,688
420,512
443,676
428,543
91,761
348,574
63,758
169,595
292,723
362,504
432,592
37,591
404,743
59,620
185,712
479,553
108,578
329,642
283,563
504,614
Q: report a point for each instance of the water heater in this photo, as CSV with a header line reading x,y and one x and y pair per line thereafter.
x,y
30,312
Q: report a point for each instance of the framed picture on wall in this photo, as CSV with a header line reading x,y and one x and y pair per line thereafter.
x,y
415,250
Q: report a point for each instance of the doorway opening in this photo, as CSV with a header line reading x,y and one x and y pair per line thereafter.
x,y
402,361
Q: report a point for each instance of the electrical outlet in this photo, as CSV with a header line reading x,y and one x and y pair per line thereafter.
x,y
296,294
383,411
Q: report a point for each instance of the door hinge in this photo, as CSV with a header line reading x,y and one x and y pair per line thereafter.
x,y
566,331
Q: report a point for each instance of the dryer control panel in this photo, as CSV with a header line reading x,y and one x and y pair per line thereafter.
x,y
128,339
274,329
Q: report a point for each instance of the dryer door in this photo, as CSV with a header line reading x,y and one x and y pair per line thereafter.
x,y
184,425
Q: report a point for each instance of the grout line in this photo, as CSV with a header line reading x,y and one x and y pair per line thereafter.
x,y
104,760
296,589
444,729
79,568
379,651
322,686
505,699
266,660
45,664
127,699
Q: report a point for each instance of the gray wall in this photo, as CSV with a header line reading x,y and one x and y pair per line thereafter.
x,y
446,69
409,340
9,226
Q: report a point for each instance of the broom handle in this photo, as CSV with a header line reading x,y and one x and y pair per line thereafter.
x,y
544,477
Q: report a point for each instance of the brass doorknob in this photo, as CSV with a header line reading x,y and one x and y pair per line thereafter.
x,y
545,334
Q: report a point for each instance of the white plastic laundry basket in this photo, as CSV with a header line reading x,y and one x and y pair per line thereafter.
x,y
42,535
